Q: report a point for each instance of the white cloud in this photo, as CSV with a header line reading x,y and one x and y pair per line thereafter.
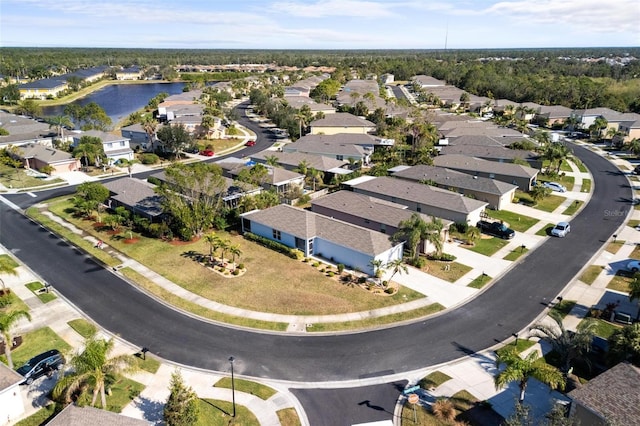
x,y
342,8
589,15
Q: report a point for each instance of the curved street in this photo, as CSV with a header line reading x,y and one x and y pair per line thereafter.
x,y
509,305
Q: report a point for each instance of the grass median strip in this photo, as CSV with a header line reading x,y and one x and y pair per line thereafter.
x,y
83,327
37,288
196,309
247,386
373,322
480,281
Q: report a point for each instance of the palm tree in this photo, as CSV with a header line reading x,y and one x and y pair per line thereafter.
x,y
412,231
396,266
567,344
434,234
520,370
473,233
303,167
315,175
8,267
224,248
93,367
60,122
7,322
271,160
235,252
377,267
149,124
214,243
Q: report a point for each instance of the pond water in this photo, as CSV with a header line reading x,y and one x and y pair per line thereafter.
x,y
120,100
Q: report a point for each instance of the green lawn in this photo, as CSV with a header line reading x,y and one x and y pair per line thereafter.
x,y
305,291
17,178
376,322
488,246
41,416
586,185
37,342
247,386
480,281
565,167
515,254
521,346
549,203
545,231
564,307
288,417
433,380
633,223
568,181
448,271
44,297
123,391
83,327
605,329
580,166
214,412
515,221
15,303
614,247
147,362
591,273
620,283
573,207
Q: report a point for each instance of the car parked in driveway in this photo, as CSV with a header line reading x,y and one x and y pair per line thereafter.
x,y
555,186
561,229
41,365
497,229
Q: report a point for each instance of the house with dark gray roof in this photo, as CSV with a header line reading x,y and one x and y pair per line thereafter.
x,y
137,196
11,402
522,176
496,193
322,236
23,130
427,81
553,114
420,198
371,213
611,398
115,147
278,179
292,160
336,146
341,122
43,89
490,151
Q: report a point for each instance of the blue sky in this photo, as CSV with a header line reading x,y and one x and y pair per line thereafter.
x,y
319,24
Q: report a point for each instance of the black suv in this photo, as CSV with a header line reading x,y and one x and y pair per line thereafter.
x,y
497,229
41,365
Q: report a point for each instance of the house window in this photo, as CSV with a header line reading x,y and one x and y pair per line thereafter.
x,y
340,157
276,234
121,143
246,225
418,208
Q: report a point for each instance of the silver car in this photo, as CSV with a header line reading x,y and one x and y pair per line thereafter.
x,y
555,186
561,229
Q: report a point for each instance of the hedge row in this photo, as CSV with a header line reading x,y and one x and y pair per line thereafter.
x,y
274,245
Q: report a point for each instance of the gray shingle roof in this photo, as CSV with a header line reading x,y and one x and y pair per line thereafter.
x,y
454,179
614,394
342,119
305,224
293,159
370,208
22,128
8,377
104,136
82,416
473,164
419,193
138,194
491,151
340,139
44,153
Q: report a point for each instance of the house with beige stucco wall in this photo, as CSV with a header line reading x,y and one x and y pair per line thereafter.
x,y
341,122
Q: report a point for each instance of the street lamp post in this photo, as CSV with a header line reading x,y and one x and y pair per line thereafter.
x,y
233,388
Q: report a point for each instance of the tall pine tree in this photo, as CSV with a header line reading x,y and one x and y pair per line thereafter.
x,y
181,408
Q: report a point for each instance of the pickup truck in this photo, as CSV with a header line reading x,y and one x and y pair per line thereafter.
x,y
497,229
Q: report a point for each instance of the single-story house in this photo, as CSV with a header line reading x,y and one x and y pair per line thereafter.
x,y
278,179
612,397
321,236
73,415
11,403
522,176
24,130
466,145
184,98
371,212
298,102
427,81
341,122
495,192
330,146
553,114
629,130
137,196
36,156
115,147
292,160
420,198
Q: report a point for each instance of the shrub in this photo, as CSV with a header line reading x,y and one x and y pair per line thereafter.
x,y
240,265
154,180
322,270
362,280
443,257
389,290
443,409
274,245
236,272
461,227
340,268
149,158
315,264
330,274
